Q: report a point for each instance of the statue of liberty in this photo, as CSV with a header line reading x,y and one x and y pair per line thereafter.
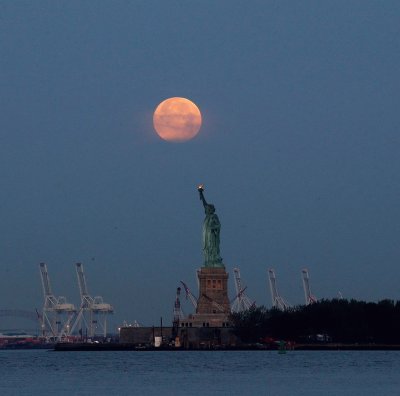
x,y
211,230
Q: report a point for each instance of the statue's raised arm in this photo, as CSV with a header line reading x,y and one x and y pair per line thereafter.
x,y
211,230
200,189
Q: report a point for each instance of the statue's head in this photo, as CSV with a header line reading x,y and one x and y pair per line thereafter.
x,y
210,209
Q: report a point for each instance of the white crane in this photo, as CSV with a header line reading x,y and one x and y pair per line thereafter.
x,y
189,295
277,301
241,302
308,296
57,313
93,311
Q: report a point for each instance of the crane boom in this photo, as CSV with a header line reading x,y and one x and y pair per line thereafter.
x,y
277,301
308,296
82,281
57,313
241,302
189,295
90,307
49,298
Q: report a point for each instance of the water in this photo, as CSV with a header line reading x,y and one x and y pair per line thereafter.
x,y
248,373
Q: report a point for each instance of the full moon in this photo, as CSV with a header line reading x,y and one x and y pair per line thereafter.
x,y
177,120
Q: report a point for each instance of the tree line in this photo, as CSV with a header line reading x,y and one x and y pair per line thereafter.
x,y
337,320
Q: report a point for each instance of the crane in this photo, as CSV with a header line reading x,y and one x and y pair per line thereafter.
x,y
241,302
189,295
309,297
214,303
93,311
57,313
178,313
277,301
198,271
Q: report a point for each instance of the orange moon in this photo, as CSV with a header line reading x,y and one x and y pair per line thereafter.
x,y
177,120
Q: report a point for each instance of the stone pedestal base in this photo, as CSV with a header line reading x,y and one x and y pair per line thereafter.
x,y
213,294
213,307
206,320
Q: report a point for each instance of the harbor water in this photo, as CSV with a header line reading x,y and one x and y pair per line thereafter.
x,y
353,373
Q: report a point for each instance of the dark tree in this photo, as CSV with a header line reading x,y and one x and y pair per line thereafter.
x,y
345,321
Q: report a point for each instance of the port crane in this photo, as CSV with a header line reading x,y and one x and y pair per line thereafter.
x,y
93,311
277,300
309,297
241,302
57,313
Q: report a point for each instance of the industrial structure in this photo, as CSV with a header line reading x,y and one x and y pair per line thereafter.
x,y
277,300
57,313
241,302
60,319
189,295
308,296
93,312
178,313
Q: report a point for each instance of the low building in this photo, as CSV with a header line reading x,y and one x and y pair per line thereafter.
x,y
184,337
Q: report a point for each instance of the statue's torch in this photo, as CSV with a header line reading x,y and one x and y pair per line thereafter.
x,y
200,189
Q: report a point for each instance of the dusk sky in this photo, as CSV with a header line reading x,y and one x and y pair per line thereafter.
x,y
298,151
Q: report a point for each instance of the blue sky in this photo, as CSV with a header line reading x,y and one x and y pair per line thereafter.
x,y
298,150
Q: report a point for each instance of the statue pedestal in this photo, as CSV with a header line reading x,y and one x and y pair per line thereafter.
x,y
213,294
213,307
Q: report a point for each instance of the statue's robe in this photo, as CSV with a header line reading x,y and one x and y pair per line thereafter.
x,y
211,231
